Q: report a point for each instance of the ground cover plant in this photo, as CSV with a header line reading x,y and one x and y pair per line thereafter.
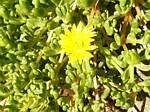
x,y
74,55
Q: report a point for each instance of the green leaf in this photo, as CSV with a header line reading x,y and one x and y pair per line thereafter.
x,y
85,3
147,53
146,4
58,12
146,38
136,88
56,2
24,7
17,21
3,43
52,25
147,90
35,103
117,39
4,12
114,46
109,29
128,74
63,10
145,83
120,102
132,57
33,23
40,11
147,15
105,93
49,52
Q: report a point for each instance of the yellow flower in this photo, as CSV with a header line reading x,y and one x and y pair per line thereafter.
x,y
76,43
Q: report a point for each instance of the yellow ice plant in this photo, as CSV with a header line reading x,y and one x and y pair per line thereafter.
x,y
76,43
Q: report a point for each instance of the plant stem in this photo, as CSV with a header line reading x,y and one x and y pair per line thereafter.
x,y
126,21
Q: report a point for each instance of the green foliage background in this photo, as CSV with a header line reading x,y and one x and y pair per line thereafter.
x,y
32,79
